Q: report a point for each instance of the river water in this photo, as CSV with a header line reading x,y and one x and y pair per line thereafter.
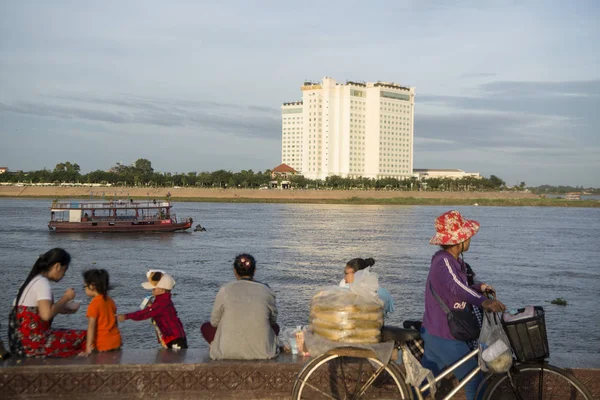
x,y
530,254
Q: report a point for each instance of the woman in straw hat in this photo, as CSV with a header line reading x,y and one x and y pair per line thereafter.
x,y
448,290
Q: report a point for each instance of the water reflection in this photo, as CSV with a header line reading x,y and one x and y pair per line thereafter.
x,y
113,237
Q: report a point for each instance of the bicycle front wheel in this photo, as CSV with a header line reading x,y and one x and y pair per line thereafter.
x,y
332,376
537,382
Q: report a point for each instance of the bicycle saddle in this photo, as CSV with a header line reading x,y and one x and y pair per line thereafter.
x,y
399,334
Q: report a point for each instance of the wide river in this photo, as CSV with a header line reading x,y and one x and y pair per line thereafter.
x,y
531,255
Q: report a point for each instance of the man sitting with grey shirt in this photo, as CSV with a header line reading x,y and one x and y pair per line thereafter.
x,y
243,321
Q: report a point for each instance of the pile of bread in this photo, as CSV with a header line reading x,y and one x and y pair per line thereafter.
x,y
343,316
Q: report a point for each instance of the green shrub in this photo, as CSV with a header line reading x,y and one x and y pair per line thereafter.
x,y
559,301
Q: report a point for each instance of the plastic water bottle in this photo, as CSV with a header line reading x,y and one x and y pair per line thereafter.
x,y
145,302
494,351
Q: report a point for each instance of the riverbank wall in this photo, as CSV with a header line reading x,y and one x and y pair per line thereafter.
x,y
201,193
354,197
165,374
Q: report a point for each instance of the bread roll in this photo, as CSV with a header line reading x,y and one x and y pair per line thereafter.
x,y
340,317
346,324
337,335
372,340
350,308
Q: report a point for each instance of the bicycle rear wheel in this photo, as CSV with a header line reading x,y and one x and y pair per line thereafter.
x,y
537,382
333,376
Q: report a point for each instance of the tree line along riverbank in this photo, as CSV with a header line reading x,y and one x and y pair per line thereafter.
x,y
383,197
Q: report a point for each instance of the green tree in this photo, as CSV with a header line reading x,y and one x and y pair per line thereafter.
x,y
495,182
221,178
204,179
144,166
299,181
522,185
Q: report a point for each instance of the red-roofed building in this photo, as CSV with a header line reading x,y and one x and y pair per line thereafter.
x,y
280,176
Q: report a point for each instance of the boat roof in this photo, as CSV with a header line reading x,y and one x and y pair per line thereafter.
x,y
59,205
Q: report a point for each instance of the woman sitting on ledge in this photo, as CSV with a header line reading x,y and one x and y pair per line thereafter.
x,y
29,331
243,321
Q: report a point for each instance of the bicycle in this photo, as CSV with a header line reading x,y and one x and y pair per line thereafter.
x,y
348,372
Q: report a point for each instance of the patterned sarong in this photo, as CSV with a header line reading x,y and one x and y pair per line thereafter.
x,y
31,336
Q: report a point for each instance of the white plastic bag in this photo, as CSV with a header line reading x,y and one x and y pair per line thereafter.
x,y
495,354
366,284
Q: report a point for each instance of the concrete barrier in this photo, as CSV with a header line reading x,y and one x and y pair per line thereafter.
x,y
164,374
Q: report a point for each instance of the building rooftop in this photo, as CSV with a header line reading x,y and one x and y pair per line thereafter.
x,y
284,168
310,85
441,170
391,85
355,83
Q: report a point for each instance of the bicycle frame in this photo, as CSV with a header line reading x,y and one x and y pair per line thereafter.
x,y
420,390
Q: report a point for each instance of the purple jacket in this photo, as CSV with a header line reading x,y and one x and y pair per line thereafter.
x,y
449,280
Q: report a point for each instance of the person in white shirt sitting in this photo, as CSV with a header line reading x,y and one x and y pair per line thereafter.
x,y
30,333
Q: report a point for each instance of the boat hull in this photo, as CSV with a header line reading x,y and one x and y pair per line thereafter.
x,y
119,226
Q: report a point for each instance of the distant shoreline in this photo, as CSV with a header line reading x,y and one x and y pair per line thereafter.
x,y
375,197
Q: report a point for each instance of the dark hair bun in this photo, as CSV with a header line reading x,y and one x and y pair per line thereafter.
x,y
244,264
370,262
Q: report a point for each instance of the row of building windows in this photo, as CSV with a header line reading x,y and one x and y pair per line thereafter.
x,y
396,167
399,125
388,133
393,147
395,104
390,117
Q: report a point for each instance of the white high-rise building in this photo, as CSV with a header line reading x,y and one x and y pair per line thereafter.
x,y
353,129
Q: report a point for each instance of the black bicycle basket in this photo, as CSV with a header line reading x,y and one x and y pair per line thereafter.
x,y
528,336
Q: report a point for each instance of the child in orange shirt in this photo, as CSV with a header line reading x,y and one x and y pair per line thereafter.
x,y
103,333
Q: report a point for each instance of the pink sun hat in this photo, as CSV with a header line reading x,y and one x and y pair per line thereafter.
x,y
452,228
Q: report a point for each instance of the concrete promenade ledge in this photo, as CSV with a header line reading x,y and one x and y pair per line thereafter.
x,y
164,374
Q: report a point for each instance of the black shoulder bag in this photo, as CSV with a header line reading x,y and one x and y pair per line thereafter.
x,y
463,323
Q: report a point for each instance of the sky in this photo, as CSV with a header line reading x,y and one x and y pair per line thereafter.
x,y
510,88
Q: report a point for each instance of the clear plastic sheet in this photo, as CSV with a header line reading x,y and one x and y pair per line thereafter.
x,y
317,345
292,340
416,373
349,315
